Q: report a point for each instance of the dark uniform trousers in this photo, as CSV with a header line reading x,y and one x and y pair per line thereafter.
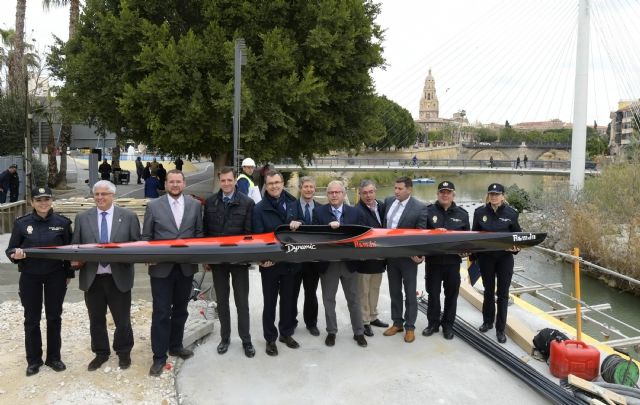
x,y
449,276
170,299
308,277
494,266
240,281
55,288
103,293
276,283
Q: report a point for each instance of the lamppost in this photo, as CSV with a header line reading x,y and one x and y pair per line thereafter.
x,y
240,59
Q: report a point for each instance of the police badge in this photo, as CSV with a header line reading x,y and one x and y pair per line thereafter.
x,y
484,218
434,219
29,229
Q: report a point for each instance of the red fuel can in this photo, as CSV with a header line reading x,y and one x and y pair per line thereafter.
x,y
574,357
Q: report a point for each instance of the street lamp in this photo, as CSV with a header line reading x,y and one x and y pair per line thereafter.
x,y
240,59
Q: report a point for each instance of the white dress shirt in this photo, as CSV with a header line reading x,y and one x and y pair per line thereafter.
x,y
396,210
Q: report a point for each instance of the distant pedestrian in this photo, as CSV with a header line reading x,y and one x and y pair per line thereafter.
x,y
245,180
162,176
415,160
491,161
151,187
105,170
139,169
525,160
179,163
9,183
154,167
146,172
518,163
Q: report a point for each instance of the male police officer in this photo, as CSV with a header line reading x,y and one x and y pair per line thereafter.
x,y
444,269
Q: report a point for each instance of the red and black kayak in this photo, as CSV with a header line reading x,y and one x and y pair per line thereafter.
x,y
308,243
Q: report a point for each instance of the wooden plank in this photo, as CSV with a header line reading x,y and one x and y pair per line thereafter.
x,y
610,397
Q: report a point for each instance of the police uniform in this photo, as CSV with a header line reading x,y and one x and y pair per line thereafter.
x,y
444,269
36,275
497,264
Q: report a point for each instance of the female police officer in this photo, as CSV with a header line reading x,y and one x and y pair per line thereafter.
x,y
496,216
41,228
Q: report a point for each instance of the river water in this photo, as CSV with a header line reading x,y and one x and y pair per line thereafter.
x,y
537,265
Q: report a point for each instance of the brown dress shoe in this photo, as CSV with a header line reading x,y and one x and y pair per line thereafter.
x,y
409,336
393,329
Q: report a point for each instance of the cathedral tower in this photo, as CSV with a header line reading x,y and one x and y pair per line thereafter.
x,y
429,107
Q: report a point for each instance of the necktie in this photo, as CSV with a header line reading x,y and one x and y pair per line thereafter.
x,y
336,212
307,214
104,233
393,215
226,200
176,213
104,229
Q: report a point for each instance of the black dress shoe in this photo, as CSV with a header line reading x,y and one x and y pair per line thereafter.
x,y
223,346
182,353
362,342
272,349
430,330
485,327
313,330
156,368
379,324
289,341
97,362
502,338
34,368
124,360
367,330
249,350
55,365
330,340
447,332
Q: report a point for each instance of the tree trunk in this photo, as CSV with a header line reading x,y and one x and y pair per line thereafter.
x,y
219,162
16,66
115,154
52,167
65,141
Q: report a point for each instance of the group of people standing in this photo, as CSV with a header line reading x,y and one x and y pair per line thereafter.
x,y
231,212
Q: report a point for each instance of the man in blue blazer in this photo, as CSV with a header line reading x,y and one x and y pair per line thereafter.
x,y
334,214
404,211
173,216
370,271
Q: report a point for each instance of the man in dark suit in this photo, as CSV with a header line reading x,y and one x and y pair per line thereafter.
x,y
278,207
404,211
370,271
107,284
226,213
173,216
334,273
309,275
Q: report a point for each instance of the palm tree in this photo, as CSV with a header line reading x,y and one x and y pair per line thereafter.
x,y
65,131
16,67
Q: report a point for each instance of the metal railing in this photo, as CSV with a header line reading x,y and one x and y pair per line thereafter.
x,y
9,212
500,145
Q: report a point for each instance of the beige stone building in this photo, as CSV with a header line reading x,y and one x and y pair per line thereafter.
x,y
622,124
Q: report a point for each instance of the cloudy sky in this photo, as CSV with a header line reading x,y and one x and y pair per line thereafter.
x,y
497,60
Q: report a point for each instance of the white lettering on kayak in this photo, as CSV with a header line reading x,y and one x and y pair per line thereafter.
x,y
524,238
296,248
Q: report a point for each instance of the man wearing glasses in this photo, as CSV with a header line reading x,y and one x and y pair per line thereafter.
x,y
277,208
107,284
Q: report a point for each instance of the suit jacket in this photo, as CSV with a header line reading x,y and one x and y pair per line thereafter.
x,y
414,216
316,205
350,215
159,224
124,228
370,219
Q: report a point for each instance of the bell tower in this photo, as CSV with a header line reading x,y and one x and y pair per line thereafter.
x,y
429,107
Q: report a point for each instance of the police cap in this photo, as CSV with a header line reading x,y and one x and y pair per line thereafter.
x,y
496,188
446,185
41,192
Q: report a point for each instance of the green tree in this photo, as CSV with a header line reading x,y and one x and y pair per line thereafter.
x,y
16,79
399,129
161,72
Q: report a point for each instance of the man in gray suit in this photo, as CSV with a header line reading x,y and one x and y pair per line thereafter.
x,y
404,211
172,216
107,284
